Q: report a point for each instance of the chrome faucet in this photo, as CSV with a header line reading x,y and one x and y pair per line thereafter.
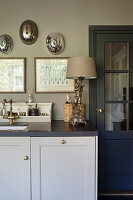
x,y
11,116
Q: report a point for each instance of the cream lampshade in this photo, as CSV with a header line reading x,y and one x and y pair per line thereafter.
x,y
80,68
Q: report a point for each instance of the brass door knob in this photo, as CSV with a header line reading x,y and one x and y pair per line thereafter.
x,y
100,110
25,157
62,141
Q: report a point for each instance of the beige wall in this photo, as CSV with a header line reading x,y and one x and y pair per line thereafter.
x,y
69,17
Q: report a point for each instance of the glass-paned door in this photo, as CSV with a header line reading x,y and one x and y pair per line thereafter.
x,y
116,75
114,60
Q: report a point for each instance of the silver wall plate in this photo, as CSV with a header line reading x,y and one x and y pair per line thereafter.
x,y
28,32
6,44
55,43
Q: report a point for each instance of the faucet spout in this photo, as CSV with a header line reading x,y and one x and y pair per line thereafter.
x,y
11,116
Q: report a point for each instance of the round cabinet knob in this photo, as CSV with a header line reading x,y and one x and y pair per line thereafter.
x,y
25,157
62,141
100,110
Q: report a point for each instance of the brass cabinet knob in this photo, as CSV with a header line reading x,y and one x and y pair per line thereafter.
x,y
25,157
62,141
100,110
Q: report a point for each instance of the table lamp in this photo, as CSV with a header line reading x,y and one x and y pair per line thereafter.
x,y
80,68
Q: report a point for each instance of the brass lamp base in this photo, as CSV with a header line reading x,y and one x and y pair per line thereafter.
x,y
77,121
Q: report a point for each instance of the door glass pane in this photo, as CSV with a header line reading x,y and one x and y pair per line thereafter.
x,y
131,87
115,56
131,56
131,116
116,86
115,116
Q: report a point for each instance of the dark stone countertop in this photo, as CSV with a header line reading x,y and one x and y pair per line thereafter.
x,y
57,128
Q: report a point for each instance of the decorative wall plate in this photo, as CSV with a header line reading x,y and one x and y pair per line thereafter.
x,y
28,32
6,44
55,43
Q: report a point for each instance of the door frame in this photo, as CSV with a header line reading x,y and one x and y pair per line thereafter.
x,y
93,31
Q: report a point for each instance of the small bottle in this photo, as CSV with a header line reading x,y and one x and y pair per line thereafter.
x,y
3,110
30,96
36,106
18,112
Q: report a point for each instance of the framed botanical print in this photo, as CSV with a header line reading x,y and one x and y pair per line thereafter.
x,y
50,75
12,75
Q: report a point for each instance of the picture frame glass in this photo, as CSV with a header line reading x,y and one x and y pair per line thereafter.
x,y
12,75
50,75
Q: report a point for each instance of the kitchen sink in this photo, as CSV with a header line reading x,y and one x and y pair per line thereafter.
x,y
13,128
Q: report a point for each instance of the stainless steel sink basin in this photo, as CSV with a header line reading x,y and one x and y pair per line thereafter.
x,y
13,128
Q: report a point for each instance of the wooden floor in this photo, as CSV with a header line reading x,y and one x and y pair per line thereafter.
x,y
115,195
115,198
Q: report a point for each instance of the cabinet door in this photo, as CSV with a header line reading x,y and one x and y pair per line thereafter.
x,y
14,170
63,168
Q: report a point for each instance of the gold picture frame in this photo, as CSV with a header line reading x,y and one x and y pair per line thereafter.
x,y
12,75
50,75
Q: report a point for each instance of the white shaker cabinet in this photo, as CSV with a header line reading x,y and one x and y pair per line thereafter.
x,y
14,168
48,168
64,168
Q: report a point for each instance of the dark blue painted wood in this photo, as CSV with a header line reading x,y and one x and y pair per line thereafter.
x,y
115,198
115,147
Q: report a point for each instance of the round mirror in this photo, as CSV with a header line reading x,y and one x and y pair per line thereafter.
x,y
6,44
55,43
28,32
